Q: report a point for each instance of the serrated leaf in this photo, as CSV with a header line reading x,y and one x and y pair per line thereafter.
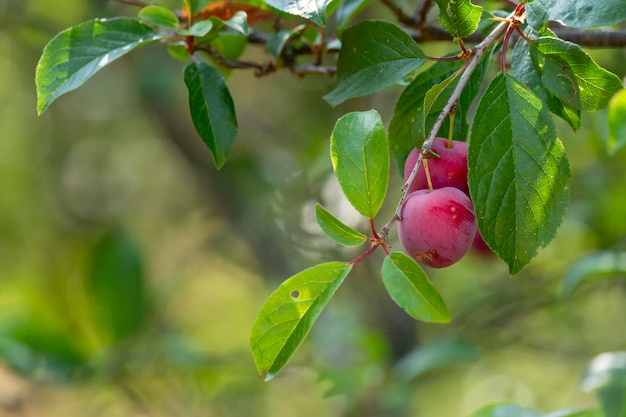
x,y
505,410
336,230
408,285
374,55
360,158
159,16
518,172
573,76
407,126
576,13
116,284
289,313
212,109
77,53
313,10
595,266
617,123
525,64
606,375
460,18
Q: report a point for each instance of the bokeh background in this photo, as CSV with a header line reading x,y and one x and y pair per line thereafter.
x,y
131,270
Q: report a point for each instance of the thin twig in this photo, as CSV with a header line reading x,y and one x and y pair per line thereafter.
x,y
478,52
135,3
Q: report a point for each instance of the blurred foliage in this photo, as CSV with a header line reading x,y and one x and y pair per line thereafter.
x,y
131,270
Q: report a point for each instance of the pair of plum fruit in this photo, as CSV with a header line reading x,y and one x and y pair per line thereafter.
x,y
438,225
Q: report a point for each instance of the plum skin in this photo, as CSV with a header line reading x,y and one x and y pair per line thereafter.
x,y
450,170
437,227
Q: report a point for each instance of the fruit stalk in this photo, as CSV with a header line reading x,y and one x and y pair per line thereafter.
x,y
477,53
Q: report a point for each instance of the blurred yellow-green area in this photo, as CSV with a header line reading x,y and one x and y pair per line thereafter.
x,y
113,182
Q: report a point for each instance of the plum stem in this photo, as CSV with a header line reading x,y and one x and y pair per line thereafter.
x,y
451,130
476,53
427,172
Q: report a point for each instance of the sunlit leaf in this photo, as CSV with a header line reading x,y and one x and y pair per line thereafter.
x,y
518,172
617,123
159,16
360,157
460,18
593,267
77,53
313,10
606,375
336,230
212,109
374,55
200,28
289,313
576,13
573,76
408,285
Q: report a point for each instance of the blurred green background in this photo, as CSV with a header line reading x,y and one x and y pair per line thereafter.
x,y
131,270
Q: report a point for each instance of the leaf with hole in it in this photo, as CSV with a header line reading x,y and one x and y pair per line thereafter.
x,y
336,230
408,285
460,18
360,158
518,172
617,123
77,53
573,76
289,313
212,109
374,55
592,267
606,375
576,13
313,10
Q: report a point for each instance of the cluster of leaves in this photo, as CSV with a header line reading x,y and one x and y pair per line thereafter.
x,y
518,171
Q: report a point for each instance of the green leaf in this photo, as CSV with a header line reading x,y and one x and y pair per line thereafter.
x,y
407,284
313,10
617,123
505,410
525,64
374,55
576,13
337,231
276,43
606,375
518,172
77,53
573,76
406,129
289,313
200,28
39,350
440,353
159,16
360,157
195,5
212,109
595,266
115,281
347,10
238,22
460,18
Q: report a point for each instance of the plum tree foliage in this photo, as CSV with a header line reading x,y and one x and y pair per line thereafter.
x,y
517,170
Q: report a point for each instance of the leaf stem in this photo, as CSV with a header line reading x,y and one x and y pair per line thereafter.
x,y
476,54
